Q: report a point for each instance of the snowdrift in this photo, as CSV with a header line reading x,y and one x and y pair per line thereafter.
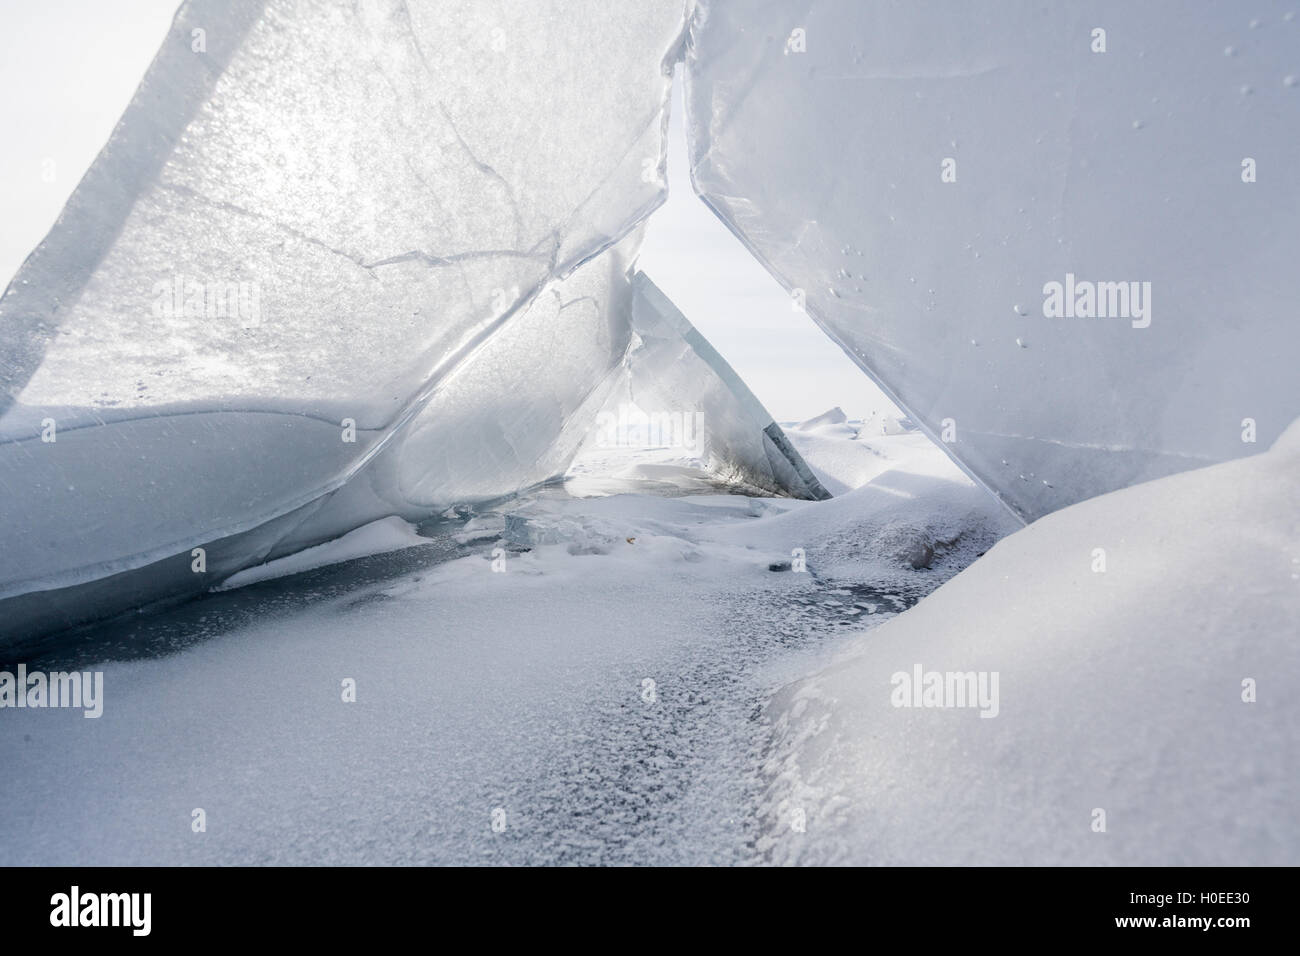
x,y
1147,678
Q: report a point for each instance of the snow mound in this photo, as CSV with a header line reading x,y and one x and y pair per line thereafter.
x,y
844,458
1147,680
919,514
833,416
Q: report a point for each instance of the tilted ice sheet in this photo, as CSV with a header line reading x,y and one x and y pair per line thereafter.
x,y
315,214
821,133
691,396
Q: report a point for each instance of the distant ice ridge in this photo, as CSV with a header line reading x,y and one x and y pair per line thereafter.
x,y
832,416
1063,243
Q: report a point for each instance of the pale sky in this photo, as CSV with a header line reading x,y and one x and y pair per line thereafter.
x,y
69,68
790,364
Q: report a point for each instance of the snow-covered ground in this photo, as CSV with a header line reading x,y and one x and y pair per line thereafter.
x,y
632,668
849,454
604,690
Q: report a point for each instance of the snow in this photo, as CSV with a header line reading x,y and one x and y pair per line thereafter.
x,y
819,133
522,689
832,416
1120,690
525,689
847,455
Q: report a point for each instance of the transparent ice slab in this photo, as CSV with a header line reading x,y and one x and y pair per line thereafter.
x,y
510,416
679,392
917,173
320,220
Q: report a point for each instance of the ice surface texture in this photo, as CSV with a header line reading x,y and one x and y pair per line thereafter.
x,y
331,211
820,131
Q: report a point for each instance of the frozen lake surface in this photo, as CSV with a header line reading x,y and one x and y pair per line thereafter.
x,y
603,695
